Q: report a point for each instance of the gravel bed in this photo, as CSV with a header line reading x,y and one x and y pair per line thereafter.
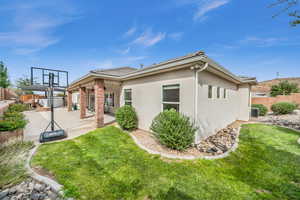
x,y
214,145
290,120
30,190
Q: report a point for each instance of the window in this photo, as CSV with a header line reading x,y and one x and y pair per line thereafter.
x,y
171,97
210,88
109,99
225,93
127,97
218,92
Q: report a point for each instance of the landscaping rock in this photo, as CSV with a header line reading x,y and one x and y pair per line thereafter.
x,y
220,142
289,120
31,190
3,194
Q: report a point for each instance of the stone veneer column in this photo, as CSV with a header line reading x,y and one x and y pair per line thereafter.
x,y
69,101
82,92
99,102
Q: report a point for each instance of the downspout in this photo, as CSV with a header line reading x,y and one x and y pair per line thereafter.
x,y
197,69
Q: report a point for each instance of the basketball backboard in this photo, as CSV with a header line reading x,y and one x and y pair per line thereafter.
x,y
40,76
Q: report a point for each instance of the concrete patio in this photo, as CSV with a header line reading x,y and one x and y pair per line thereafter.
x,y
69,121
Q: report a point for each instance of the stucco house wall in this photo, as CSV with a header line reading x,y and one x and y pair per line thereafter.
x,y
213,114
147,94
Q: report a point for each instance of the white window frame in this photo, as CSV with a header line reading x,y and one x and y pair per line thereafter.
x,y
127,101
177,85
225,93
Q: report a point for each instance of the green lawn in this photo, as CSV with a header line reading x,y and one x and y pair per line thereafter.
x,y
106,164
12,163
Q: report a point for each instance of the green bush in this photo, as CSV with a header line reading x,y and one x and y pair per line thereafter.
x,y
11,125
13,118
13,115
126,117
283,108
17,107
173,129
262,109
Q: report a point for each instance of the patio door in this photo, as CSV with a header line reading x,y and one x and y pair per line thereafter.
x,y
109,102
91,104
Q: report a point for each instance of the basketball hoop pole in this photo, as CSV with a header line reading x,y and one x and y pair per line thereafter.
x,y
51,81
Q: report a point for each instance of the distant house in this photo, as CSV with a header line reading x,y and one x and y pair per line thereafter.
x,y
263,89
193,84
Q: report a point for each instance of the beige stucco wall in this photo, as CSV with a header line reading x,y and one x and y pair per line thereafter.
x,y
215,114
147,94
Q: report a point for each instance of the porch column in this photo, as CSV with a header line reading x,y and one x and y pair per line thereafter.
x,y
99,102
82,92
69,101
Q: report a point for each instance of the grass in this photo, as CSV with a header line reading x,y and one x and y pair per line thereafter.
x,y
12,163
106,164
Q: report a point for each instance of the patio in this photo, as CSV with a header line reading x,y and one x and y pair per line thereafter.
x,y
69,121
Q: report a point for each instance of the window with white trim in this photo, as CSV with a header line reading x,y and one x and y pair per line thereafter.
x,y
224,93
170,97
218,92
128,96
210,91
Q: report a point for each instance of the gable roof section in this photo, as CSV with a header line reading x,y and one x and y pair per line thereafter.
x,y
127,73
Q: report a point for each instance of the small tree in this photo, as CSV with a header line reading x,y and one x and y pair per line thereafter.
x,y
284,88
4,81
25,81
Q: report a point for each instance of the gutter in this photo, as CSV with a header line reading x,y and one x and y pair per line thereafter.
x,y
197,69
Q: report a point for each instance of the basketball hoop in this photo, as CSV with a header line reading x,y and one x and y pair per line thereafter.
x,y
50,80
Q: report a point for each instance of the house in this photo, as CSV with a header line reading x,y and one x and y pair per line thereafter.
x,y
263,89
194,85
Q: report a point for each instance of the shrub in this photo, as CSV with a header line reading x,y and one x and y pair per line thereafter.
x,y
13,118
283,108
17,107
262,109
11,125
14,115
126,117
173,129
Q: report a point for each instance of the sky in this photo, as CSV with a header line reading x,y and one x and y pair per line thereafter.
x,y
79,36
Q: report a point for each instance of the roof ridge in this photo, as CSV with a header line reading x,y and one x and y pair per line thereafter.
x,y
116,68
197,53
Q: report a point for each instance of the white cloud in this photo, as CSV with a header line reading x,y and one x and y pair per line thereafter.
x,y
264,42
176,36
203,7
207,6
149,38
130,31
125,51
34,24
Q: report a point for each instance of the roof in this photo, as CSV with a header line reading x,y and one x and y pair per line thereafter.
x,y
115,71
265,86
126,73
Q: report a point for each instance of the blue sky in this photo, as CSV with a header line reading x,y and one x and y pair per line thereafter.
x,y
79,36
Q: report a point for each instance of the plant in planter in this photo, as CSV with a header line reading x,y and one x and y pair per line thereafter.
x,y
283,108
174,129
126,117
